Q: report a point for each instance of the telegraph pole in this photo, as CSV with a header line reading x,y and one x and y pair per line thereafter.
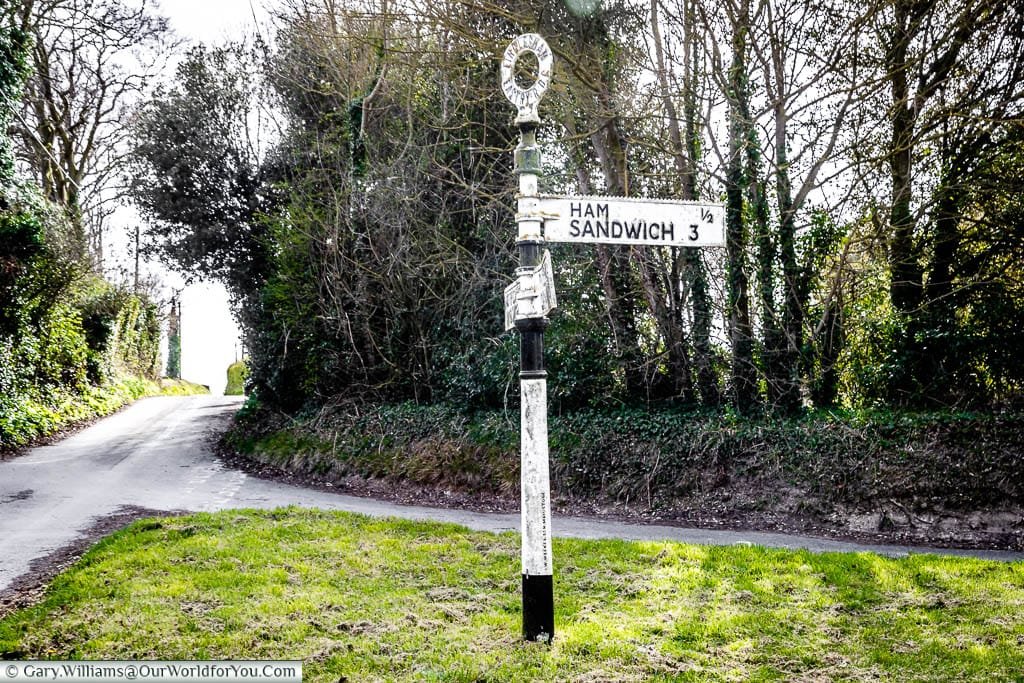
x,y
174,337
528,301
136,290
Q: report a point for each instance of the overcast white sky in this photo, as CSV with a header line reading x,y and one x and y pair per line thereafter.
x,y
210,337
213,21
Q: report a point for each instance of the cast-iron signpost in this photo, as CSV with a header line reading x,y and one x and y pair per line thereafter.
x,y
528,300
532,298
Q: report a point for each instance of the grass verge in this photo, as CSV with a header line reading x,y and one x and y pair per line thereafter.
x,y
169,386
25,419
359,599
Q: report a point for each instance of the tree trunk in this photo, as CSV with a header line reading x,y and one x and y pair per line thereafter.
x,y
614,268
947,239
792,348
743,372
671,317
773,340
831,340
707,380
661,289
685,151
905,287
616,271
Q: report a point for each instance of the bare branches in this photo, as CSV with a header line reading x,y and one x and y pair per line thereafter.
x,y
92,59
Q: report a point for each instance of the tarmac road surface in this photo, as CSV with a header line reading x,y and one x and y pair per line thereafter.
x,y
157,454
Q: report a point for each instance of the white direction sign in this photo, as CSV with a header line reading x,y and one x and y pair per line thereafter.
x,y
532,295
620,220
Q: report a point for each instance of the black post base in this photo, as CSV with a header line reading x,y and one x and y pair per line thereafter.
x,y
538,609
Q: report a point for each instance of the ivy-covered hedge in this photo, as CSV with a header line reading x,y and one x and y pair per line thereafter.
x,y
123,332
959,461
424,444
72,345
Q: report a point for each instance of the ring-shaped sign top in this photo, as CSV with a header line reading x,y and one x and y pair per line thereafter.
x,y
526,99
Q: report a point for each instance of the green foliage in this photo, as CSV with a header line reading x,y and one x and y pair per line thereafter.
x,y
961,346
61,362
68,348
27,417
69,343
123,331
366,252
870,360
41,335
238,372
921,460
195,172
174,355
14,51
21,237
33,275
170,386
480,374
425,444
653,457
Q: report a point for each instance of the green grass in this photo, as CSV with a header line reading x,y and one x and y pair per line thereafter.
x,y
361,600
178,387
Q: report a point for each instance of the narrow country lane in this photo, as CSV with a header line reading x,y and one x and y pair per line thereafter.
x,y
157,454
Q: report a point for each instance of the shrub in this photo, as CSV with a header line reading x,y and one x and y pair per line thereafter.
x,y
71,346
653,457
237,374
123,331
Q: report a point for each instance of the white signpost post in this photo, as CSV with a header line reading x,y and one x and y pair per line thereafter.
x,y
528,301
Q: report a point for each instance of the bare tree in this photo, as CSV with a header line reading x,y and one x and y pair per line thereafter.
x,y
600,83
685,275
813,80
91,60
925,47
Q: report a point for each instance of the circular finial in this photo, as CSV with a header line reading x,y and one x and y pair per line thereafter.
x,y
526,99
